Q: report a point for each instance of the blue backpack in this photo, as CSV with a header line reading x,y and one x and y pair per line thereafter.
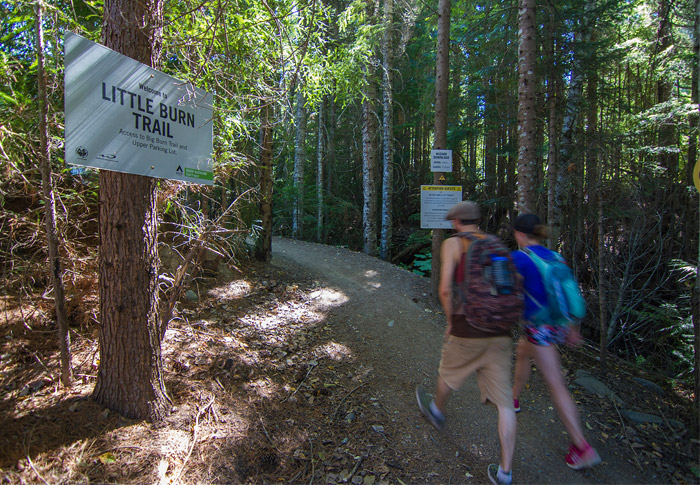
x,y
565,303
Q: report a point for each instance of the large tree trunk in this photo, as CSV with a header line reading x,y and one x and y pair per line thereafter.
x,y
527,93
130,376
442,82
387,129
50,210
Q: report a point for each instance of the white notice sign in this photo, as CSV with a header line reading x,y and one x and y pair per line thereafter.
x,y
440,160
435,201
125,116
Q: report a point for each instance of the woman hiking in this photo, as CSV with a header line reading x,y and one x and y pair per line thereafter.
x,y
541,338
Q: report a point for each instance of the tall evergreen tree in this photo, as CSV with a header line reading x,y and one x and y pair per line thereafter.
x,y
130,374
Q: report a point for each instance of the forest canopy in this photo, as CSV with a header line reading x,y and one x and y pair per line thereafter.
x,y
334,101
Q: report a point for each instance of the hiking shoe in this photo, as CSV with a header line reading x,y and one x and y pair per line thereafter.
x,y
493,476
424,402
516,405
578,459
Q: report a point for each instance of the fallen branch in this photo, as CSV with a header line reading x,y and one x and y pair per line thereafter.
x,y
201,411
342,400
624,431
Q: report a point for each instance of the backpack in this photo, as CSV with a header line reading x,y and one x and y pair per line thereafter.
x,y
565,303
490,293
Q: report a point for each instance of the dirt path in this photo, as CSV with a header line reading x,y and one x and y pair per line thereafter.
x,y
386,316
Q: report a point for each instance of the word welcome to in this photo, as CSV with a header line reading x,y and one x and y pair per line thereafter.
x,y
148,116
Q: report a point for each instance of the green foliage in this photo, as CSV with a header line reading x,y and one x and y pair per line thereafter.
x,y
422,264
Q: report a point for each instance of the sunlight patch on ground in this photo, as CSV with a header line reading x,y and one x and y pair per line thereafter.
x,y
264,388
373,273
334,351
174,441
232,291
326,296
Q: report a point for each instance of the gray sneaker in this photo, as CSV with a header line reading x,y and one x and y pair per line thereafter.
x,y
493,476
424,401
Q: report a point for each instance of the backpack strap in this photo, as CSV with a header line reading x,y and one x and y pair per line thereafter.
x,y
534,258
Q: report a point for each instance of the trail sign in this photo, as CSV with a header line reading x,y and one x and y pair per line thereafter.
x,y
440,160
435,201
125,116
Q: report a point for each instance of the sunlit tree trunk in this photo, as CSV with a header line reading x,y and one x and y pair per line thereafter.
x,y
527,95
442,82
369,160
566,165
370,133
130,375
299,160
320,170
388,135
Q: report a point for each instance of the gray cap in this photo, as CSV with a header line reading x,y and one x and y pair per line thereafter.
x,y
464,211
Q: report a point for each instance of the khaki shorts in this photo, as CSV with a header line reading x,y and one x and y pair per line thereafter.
x,y
489,357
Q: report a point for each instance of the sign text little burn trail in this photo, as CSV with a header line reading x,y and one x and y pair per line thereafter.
x,y
125,116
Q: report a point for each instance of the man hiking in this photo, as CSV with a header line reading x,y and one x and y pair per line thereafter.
x,y
472,344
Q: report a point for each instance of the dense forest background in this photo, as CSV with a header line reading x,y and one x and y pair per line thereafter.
x,y
325,119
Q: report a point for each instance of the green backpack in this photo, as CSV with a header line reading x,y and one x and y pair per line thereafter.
x,y
565,303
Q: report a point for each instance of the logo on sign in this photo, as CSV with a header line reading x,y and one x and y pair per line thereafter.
x,y
110,157
179,170
82,152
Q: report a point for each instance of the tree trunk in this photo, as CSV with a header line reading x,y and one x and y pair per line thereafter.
x,y
263,248
130,375
320,171
442,82
299,160
330,152
554,95
387,129
369,161
566,164
50,210
527,92
696,300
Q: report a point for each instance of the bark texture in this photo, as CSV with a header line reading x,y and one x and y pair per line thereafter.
x,y
130,376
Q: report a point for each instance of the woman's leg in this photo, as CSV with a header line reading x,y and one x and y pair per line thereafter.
x,y
523,354
549,364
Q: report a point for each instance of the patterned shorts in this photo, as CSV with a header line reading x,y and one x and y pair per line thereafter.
x,y
546,335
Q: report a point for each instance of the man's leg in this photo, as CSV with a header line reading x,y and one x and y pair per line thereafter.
x,y
494,380
442,392
507,425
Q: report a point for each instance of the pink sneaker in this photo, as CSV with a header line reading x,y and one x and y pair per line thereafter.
x,y
516,405
585,458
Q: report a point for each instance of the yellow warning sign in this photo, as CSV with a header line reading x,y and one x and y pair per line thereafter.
x,y
696,175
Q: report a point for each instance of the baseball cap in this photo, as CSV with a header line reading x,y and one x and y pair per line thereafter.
x,y
464,211
526,223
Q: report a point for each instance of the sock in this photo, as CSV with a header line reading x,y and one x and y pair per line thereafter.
x,y
503,476
434,409
583,448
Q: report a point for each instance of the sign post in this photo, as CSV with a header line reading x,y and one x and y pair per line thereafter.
x,y
125,116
